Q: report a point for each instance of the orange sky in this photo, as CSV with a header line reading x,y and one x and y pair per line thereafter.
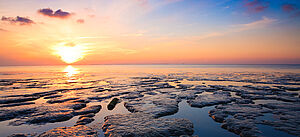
x,y
146,32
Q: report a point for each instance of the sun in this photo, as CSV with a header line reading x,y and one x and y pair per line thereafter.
x,y
70,54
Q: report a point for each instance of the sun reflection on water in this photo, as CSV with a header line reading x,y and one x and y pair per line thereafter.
x,y
71,73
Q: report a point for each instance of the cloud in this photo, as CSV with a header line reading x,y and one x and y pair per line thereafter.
x,y
136,34
143,2
240,27
209,35
256,5
297,14
288,7
80,21
3,29
146,3
256,24
18,20
57,14
92,15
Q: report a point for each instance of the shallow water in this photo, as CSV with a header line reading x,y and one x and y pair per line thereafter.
x,y
269,131
116,80
203,124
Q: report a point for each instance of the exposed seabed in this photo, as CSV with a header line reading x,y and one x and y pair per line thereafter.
x,y
232,103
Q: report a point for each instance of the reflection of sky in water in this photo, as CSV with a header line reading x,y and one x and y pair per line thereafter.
x,y
269,131
203,124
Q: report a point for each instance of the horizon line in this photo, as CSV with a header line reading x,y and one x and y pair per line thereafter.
x,y
143,64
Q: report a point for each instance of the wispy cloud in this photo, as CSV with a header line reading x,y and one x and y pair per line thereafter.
x,y
292,9
3,29
288,7
297,14
108,49
137,34
256,5
57,14
93,37
209,35
256,24
146,2
143,2
241,27
18,20
80,21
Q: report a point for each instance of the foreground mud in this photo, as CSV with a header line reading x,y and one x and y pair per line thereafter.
x,y
240,101
142,124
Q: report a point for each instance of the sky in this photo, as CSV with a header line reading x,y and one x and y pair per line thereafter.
x,y
57,32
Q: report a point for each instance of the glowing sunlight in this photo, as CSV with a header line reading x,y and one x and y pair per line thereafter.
x,y
70,71
70,54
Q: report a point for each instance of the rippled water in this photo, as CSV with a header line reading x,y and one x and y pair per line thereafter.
x,y
34,83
